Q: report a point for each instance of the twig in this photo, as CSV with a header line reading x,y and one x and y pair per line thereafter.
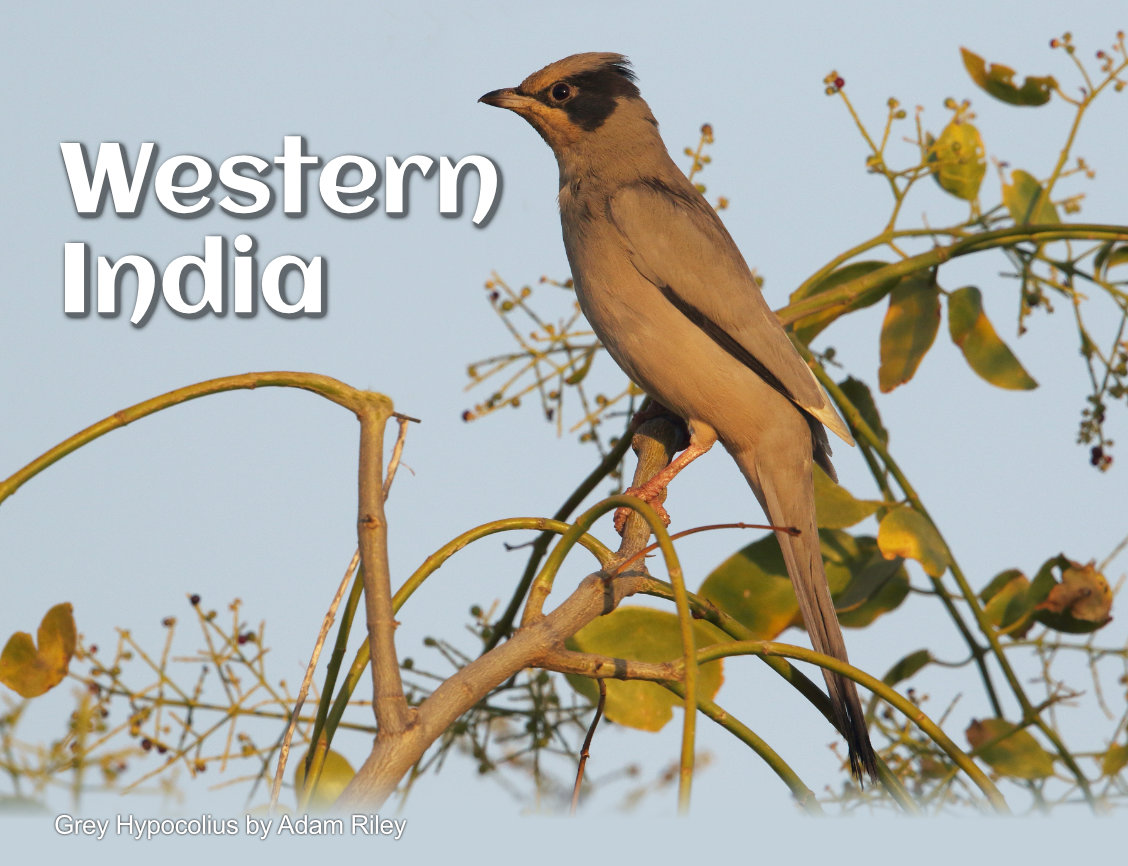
x,y
326,623
584,752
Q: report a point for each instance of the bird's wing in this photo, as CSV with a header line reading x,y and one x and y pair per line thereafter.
x,y
677,242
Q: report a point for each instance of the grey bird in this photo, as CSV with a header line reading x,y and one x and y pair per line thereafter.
x,y
668,293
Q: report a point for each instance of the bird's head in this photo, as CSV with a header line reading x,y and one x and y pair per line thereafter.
x,y
582,103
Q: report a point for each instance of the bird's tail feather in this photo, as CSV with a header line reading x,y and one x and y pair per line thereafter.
x,y
793,505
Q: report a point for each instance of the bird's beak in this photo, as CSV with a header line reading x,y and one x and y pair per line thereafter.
x,y
507,97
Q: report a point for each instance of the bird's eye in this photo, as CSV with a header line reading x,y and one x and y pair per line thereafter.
x,y
560,92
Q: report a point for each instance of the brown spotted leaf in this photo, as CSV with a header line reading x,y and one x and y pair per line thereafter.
x,y
1079,604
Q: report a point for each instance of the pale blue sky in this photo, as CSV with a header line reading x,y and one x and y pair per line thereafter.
x,y
252,494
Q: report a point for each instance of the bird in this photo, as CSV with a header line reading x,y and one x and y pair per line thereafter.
x,y
669,295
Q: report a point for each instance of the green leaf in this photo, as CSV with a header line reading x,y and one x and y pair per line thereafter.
x,y
907,666
863,583
1016,754
1110,255
909,329
31,671
648,635
858,393
807,328
984,352
836,506
877,586
1007,603
957,159
752,585
997,584
1025,201
907,533
580,373
1115,760
999,82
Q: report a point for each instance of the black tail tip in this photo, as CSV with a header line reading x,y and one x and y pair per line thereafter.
x,y
863,760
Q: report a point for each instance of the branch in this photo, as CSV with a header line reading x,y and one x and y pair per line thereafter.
x,y
535,642
840,297
388,701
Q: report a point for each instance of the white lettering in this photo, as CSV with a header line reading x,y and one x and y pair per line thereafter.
x,y
394,179
331,188
174,283
88,189
169,192
256,189
448,185
293,161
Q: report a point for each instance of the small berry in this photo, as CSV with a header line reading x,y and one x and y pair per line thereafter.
x,y
195,599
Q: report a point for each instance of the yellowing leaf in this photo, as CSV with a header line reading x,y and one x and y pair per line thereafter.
x,y
1016,753
752,586
836,506
642,634
909,329
957,159
807,328
907,533
984,352
1115,760
31,671
999,82
1008,606
1025,201
336,773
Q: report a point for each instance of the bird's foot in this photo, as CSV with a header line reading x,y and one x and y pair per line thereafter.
x,y
648,494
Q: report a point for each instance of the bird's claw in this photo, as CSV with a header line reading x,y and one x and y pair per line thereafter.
x,y
647,496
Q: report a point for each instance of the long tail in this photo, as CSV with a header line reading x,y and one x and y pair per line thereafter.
x,y
787,494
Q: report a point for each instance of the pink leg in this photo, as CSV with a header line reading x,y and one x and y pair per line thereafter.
x,y
700,441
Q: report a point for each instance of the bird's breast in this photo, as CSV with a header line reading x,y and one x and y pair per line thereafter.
x,y
662,350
